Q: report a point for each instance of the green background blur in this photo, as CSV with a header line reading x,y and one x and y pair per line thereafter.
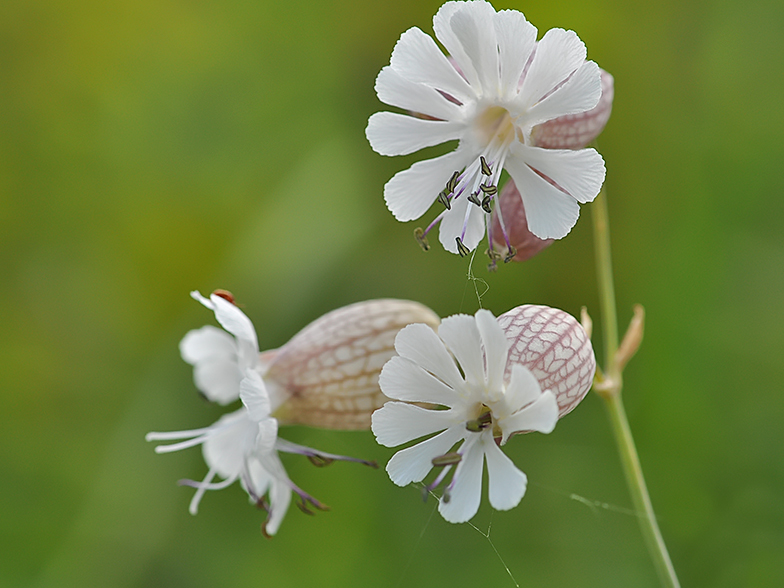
x,y
149,148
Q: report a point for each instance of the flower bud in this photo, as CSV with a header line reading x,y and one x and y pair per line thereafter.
x,y
328,372
514,231
574,131
554,347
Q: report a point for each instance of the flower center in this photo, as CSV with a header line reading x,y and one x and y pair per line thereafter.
x,y
495,123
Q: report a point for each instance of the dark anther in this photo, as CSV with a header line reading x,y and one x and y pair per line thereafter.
x,y
485,168
419,235
486,204
452,183
443,198
319,461
480,424
510,254
475,199
462,249
451,458
489,189
304,508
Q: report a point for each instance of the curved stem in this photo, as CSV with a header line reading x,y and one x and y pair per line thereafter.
x,y
611,394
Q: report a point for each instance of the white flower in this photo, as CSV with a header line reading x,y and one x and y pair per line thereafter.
x,y
476,412
497,84
242,445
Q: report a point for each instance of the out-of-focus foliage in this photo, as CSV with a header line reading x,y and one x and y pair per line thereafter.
x,y
150,148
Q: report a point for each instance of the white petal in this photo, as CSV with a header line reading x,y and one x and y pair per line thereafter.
x,y
268,435
579,94
225,449
506,483
465,491
523,389
207,343
396,423
254,396
551,214
420,344
541,415
218,380
579,172
402,379
443,29
474,29
417,58
413,464
390,133
516,40
462,338
496,348
454,222
279,498
395,90
558,54
230,318
411,192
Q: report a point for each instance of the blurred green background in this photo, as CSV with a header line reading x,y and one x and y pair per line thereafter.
x,y
149,148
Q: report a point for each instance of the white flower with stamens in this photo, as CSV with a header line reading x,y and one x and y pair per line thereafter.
x,y
459,376
244,444
497,84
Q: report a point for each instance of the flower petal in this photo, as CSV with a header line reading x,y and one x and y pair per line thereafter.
x,y
225,448
214,355
254,396
506,484
412,191
541,415
420,344
402,379
230,318
413,464
442,26
396,423
523,389
580,93
465,490
580,173
462,338
390,133
516,40
464,215
558,54
207,343
395,90
551,214
496,348
473,27
417,58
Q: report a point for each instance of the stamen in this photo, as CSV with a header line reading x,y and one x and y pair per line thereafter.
x,y
510,254
462,249
480,424
451,458
419,235
452,183
486,204
474,198
443,198
489,189
318,458
485,168
320,461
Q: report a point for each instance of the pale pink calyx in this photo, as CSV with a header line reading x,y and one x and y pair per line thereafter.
x,y
554,346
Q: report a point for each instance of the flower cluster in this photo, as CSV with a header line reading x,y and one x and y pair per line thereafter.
x,y
474,384
294,381
494,93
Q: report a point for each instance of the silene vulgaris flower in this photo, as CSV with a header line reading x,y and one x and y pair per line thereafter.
x,y
494,93
453,384
319,373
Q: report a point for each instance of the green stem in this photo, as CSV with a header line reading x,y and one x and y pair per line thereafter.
x,y
611,394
